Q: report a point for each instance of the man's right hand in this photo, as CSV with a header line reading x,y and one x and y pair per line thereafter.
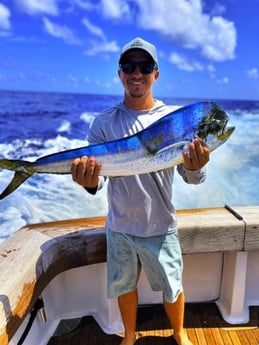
x,y
85,171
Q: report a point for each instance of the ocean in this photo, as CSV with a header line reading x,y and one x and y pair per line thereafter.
x,y
34,124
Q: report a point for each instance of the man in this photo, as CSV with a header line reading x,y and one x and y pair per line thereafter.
x,y
141,221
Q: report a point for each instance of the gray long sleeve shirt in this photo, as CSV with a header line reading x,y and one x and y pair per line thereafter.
x,y
139,205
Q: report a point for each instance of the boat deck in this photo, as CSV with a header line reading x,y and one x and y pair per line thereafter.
x,y
203,324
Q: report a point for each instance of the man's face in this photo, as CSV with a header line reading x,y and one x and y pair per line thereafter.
x,y
138,84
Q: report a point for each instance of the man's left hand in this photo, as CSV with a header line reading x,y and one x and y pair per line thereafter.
x,y
197,157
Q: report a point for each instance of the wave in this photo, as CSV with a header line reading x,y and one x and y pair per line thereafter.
x,y
65,127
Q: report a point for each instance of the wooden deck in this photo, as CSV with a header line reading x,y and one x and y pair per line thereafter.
x,y
203,324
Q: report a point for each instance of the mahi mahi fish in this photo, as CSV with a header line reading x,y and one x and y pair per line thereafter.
x,y
159,146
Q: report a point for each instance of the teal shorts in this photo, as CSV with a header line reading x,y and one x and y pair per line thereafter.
x,y
159,256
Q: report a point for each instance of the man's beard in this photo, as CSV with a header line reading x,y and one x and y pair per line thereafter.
x,y
134,95
137,94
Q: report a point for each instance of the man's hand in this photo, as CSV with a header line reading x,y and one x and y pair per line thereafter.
x,y
197,157
85,171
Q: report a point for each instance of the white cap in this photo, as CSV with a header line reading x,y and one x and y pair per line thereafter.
x,y
139,44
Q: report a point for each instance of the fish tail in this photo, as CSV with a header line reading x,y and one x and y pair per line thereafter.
x,y
22,173
17,180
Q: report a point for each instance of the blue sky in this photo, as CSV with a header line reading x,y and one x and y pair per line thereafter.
x,y
207,49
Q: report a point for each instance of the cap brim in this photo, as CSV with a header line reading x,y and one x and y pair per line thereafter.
x,y
124,55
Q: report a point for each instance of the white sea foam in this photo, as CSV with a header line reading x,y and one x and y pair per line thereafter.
x,y
88,117
65,127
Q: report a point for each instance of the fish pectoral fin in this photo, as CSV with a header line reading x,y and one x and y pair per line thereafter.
x,y
179,146
17,180
172,153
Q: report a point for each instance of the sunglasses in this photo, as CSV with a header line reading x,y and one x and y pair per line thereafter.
x,y
144,67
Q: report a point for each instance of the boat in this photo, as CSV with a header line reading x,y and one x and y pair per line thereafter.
x,y
54,274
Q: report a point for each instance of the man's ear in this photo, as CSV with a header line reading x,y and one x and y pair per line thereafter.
x,y
119,73
156,75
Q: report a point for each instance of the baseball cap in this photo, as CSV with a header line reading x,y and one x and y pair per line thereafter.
x,y
139,44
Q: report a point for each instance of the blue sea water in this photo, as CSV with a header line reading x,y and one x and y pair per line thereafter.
x,y
33,124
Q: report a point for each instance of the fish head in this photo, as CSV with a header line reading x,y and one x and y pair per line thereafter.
x,y
212,129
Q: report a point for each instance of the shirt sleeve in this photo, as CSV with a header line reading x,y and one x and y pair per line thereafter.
x,y
192,176
101,182
96,134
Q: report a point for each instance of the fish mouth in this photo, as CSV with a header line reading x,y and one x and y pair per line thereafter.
x,y
215,124
225,133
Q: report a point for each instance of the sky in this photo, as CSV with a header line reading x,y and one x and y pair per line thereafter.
x,y
206,48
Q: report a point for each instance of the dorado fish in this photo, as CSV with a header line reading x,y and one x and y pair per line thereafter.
x,y
159,146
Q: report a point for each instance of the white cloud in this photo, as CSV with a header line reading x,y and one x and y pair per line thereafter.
x,y
36,6
218,9
184,64
86,4
72,78
27,39
223,81
61,31
253,73
219,41
5,15
115,8
93,28
102,47
185,23
211,69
